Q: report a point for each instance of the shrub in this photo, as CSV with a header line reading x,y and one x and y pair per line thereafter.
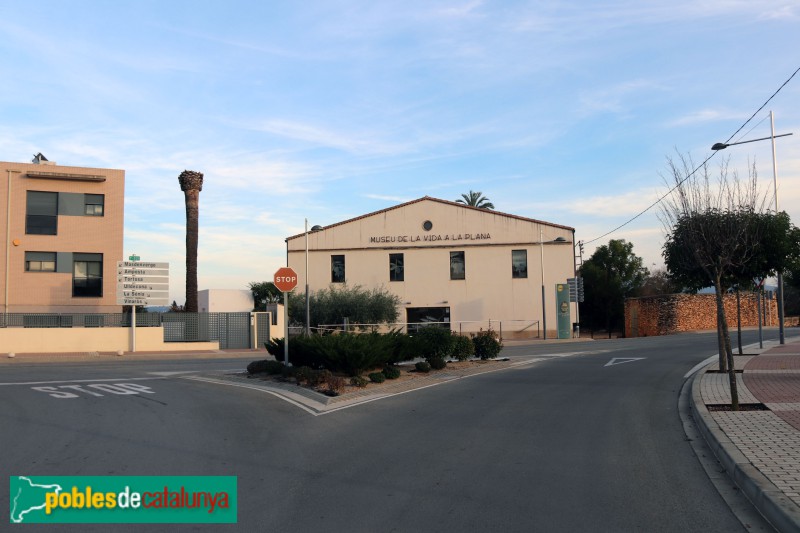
x,y
434,341
377,377
391,372
486,344
463,347
304,374
335,385
274,368
358,381
288,372
423,366
437,363
258,367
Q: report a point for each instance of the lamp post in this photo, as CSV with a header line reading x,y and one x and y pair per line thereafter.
x,y
541,269
308,311
722,146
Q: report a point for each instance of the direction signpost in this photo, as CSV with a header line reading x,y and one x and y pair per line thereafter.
x,y
285,280
141,283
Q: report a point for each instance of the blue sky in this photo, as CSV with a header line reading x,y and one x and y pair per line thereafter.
x,y
561,111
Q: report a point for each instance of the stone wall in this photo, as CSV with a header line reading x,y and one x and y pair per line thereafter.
x,y
674,313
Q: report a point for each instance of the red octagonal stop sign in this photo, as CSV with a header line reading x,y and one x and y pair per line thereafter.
x,y
285,279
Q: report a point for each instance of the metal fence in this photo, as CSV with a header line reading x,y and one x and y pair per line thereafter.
x,y
509,329
232,330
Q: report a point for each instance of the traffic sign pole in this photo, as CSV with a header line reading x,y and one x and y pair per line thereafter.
x,y
285,280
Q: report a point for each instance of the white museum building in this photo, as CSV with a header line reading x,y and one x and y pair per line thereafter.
x,y
447,262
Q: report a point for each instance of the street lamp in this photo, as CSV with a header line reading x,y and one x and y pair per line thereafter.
x,y
541,269
722,146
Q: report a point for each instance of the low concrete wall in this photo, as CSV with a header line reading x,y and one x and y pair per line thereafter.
x,y
59,340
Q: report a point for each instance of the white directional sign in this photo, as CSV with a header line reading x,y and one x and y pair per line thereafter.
x,y
142,283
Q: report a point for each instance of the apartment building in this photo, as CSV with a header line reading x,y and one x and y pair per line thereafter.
x,y
63,233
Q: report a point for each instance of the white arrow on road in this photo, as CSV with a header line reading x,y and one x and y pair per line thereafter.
x,y
622,360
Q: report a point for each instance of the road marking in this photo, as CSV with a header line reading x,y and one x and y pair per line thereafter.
x,y
175,373
76,381
623,360
121,389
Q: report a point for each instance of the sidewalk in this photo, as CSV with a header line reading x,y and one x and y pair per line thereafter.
x,y
759,449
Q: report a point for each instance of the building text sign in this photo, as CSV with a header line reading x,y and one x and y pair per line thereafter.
x,y
142,283
450,237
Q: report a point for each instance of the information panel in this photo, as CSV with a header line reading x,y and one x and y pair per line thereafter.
x,y
142,283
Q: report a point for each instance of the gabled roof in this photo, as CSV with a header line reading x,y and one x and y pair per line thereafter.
x,y
438,200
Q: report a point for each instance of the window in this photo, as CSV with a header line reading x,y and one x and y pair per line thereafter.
x,y
42,213
457,265
93,204
40,261
337,269
519,263
87,275
396,269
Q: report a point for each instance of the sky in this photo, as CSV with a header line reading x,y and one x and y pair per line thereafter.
x,y
563,111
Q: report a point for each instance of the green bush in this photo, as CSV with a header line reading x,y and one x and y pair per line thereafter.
x,y
358,381
463,347
288,372
423,366
487,346
434,341
437,363
391,372
259,367
377,377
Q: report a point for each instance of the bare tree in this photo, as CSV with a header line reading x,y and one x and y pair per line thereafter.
x,y
711,236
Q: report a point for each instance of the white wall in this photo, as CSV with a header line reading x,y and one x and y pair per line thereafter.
x,y
224,301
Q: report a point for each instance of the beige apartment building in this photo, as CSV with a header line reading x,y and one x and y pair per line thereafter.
x,y
447,262
62,228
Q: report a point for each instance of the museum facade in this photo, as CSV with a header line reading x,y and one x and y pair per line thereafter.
x,y
448,263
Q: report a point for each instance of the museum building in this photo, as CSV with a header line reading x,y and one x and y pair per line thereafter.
x,y
447,262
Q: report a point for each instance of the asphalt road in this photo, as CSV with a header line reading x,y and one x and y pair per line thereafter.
x,y
586,439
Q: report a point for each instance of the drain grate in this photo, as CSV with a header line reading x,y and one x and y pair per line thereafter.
x,y
742,407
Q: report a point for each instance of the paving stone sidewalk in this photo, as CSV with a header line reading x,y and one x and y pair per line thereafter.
x,y
759,449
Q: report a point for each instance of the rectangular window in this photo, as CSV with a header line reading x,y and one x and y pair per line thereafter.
x,y
93,204
40,261
337,269
87,275
41,213
519,263
396,268
457,265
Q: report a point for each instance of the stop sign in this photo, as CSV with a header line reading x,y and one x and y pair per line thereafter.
x,y
285,279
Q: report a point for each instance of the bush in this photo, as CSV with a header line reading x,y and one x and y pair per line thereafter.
x,y
358,381
423,366
335,385
434,341
437,363
391,372
377,377
288,372
304,374
463,347
486,344
258,367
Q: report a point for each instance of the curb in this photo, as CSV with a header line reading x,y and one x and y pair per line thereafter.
x,y
770,501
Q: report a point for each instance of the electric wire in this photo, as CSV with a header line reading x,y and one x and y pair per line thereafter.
x,y
693,172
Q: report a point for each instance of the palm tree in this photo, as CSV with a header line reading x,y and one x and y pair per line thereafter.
x,y
191,185
475,199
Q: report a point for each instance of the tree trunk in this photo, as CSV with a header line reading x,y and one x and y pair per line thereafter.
x,y
726,351
192,198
